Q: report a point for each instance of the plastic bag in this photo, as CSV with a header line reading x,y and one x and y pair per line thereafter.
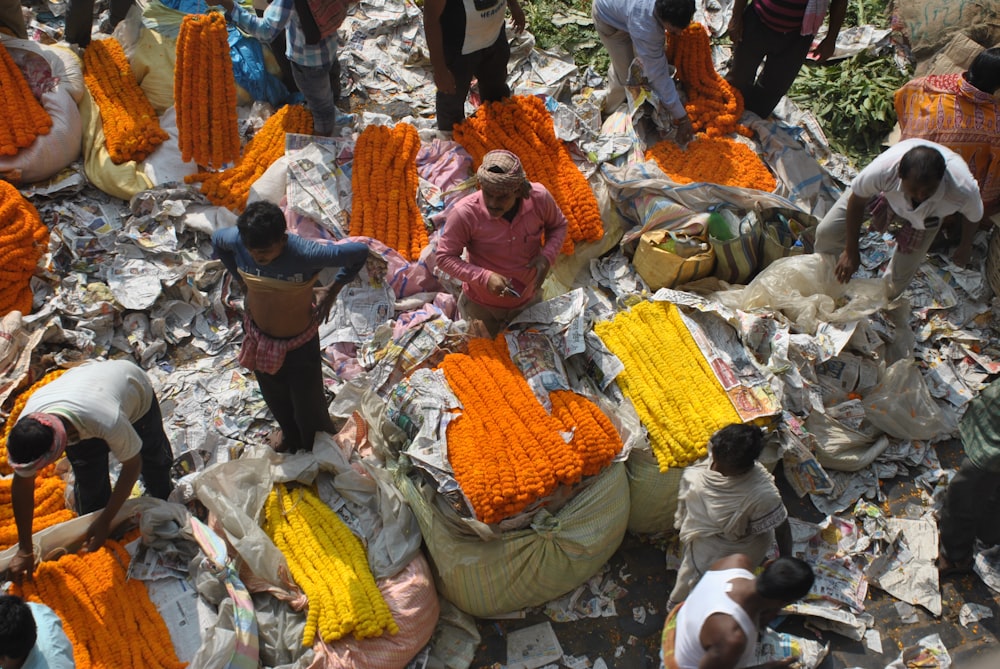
x,y
903,407
843,448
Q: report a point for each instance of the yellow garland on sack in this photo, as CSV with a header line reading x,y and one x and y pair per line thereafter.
x,y
131,129
205,92
521,125
674,390
110,619
714,105
22,117
329,563
23,240
718,160
384,185
231,187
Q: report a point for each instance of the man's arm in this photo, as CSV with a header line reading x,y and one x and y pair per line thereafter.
x,y
648,40
783,536
850,259
350,257
265,28
825,49
735,30
222,244
517,14
723,640
22,494
98,531
444,80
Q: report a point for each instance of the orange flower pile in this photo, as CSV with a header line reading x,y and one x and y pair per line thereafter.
x,y
505,449
384,183
108,618
23,240
131,129
22,117
205,92
595,439
714,106
231,187
718,160
522,125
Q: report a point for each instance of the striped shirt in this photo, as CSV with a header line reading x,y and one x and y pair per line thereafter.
x,y
281,15
783,16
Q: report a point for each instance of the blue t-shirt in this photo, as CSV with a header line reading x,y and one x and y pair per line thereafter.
x,y
52,647
301,260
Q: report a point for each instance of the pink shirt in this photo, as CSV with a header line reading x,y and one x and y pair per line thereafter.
x,y
494,245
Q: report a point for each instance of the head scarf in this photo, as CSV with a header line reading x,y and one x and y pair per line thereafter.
x,y
501,173
56,448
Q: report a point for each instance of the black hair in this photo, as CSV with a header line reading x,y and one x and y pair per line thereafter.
x,y
28,440
737,446
18,631
261,224
787,579
984,73
922,164
677,13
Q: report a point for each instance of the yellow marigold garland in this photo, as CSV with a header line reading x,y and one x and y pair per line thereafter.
x,y
719,160
22,117
23,240
384,184
131,129
205,92
673,388
329,563
109,619
231,187
522,125
714,106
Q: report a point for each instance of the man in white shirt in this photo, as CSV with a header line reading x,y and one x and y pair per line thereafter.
x,y
32,636
909,189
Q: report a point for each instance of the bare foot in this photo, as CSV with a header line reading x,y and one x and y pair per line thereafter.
x,y
276,440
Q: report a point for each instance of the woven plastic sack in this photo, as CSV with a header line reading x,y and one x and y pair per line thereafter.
x,y
737,259
652,495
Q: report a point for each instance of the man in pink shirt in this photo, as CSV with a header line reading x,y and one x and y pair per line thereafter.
x,y
513,230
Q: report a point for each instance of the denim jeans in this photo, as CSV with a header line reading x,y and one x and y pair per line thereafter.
x,y
80,19
320,86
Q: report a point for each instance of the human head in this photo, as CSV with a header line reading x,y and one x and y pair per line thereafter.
x,y
984,73
785,580
920,172
35,441
503,181
18,631
674,15
262,231
736,447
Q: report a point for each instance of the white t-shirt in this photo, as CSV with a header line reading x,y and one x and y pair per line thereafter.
x,y
710,596
101,400
958,191
484,19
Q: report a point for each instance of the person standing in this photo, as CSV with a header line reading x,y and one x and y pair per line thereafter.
x,y
12,19
466,39
513,230
80,19
32,636
779,34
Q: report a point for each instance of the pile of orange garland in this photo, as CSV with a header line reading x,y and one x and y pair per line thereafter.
x,y
22,117
505,450
205,92
131,129
522,125
384,184
718,160
23,240
714,106
108,618
231,187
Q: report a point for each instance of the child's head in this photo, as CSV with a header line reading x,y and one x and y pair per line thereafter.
x,y
262,230
735,448
18,631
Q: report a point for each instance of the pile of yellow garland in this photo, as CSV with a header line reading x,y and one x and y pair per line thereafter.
x,y
22,117
384,184
23,240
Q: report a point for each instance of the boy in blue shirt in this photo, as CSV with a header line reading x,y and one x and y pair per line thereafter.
x,y
32,637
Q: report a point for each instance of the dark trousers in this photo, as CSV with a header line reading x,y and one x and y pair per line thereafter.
x,y
488,66
782,55
80,19
89,459
971,510
296,397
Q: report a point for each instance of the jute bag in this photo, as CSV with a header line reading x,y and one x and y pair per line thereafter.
x,y
737,260
662,269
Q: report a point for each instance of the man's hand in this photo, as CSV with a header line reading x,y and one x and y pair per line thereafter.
x,y
962,255
685,131
824,49
499,285
778,664
541,266
325,298
517,14
444,80
735,30
847,265
97,533
21,565
225,4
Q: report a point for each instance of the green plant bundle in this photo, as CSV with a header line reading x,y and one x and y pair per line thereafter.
x,y
567,25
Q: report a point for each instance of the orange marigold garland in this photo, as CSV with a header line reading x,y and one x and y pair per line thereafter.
x,y
22,117
131,129
23,240
595,439
522,125
109,619
384,183
714,105
719,160
205,92
231,187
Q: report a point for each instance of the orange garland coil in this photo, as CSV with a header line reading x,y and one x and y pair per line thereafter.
x,y
718,160
231,187
205,92
714,106
24,238
22,117
522,125
131,129
384,185
109,619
